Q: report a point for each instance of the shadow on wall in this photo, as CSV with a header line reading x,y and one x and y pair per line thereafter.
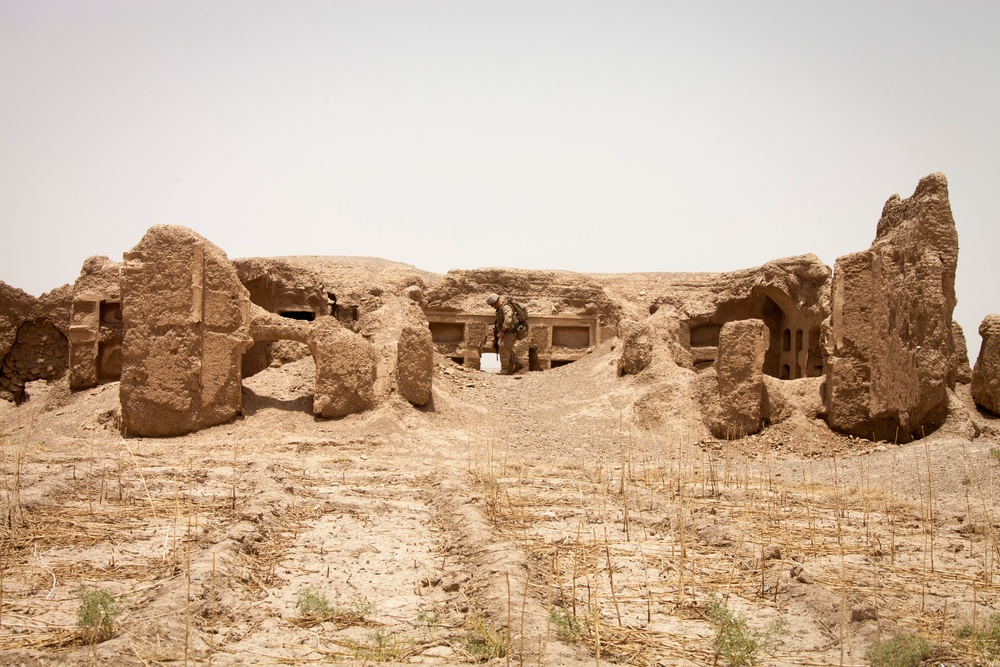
x,y
254,403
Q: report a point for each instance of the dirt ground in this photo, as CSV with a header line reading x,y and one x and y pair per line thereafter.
x,y
526,520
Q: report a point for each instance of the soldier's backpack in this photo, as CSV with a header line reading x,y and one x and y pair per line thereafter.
x,y
521,315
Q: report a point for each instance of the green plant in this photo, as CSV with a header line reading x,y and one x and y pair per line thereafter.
x,y
429,619
382,646
483,641
314,606
987,641
904,649
735,641
995,453
96,615
567,625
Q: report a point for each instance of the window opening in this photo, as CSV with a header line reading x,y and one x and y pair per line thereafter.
x,y
304,315
447,332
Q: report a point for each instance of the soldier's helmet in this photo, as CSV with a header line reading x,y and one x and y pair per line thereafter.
x,y
492,299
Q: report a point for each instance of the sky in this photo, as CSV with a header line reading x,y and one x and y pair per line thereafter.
x,y
600,137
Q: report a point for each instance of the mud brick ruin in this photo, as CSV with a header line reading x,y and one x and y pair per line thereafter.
x,y
986,374
870,343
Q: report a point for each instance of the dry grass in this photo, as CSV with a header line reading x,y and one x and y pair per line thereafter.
x,y
626,546
636,529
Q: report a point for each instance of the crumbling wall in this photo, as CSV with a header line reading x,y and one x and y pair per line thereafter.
x,y
891,356
266,326
545,293
355,286
16,306
986,374
95,331
960,360
291,291
38,353
32,338
636,352
186,318
791,297
404,349
345,369
733,396
280,287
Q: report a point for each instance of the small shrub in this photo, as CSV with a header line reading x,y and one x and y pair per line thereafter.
x,y
484,642
904,649
355,612
382,646
430,620
988,639
736,642
995,454
314,606
96,615
567,626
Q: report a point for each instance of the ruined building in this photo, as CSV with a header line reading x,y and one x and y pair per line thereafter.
x,y
872,341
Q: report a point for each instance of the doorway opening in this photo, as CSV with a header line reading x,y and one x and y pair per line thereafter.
x,y
489,362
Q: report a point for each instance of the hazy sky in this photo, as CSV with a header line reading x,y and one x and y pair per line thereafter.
x,y
590,136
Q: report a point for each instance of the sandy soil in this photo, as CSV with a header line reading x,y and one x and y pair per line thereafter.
x,y
525,519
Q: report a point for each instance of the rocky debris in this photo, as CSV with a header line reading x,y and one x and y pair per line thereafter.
x,y
784,399
415,294
186,318
636,351
891,347
668,331
733,396
864,612
986,375
345,369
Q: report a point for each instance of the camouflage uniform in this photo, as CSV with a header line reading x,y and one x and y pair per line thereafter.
x,y
505,322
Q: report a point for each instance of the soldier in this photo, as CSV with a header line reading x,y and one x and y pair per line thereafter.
x,y
504,334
